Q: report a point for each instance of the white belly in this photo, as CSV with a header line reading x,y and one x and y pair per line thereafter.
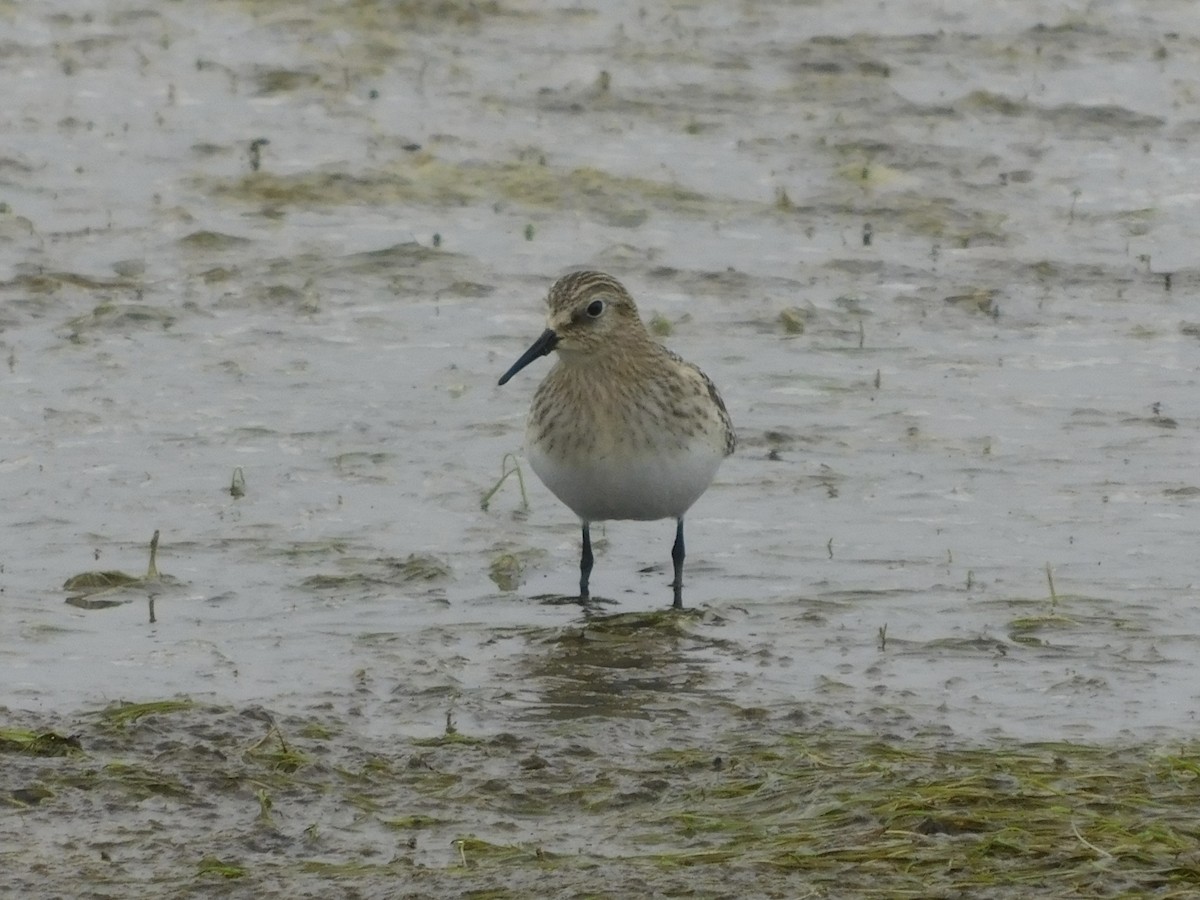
x,y
620,486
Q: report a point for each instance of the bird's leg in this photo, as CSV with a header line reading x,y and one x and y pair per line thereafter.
x,y
585,563
677,558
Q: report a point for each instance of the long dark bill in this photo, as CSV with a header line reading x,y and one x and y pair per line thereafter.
x,y
540,348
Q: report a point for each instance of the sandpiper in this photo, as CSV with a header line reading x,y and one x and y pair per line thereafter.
x,y
621,428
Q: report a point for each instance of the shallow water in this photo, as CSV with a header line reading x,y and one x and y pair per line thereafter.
x,y
1000,384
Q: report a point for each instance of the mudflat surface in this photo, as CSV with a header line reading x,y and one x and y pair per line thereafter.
x,y
941,265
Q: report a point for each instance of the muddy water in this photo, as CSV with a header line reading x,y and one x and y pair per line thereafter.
x,y
941,265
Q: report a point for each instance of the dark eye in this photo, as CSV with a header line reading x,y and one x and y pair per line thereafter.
x,y
595,308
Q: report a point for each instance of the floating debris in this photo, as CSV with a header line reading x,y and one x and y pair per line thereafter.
x,y
88,584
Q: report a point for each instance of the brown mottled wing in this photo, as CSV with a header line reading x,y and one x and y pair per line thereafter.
x,y
726,422
730,435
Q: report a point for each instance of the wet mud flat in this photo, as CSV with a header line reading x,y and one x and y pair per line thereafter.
x,y
615,756
194,799
260,268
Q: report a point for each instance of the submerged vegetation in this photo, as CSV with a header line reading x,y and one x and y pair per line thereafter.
x,y
102,589
773,806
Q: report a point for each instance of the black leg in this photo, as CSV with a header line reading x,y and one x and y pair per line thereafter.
x,y
585,563
677,558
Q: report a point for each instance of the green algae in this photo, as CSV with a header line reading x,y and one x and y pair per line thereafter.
x,y
98,581
842,811
37,743
87,585
210,865
426,180
416,567
122,714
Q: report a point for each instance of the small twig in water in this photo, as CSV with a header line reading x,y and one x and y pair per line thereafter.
x,y
1089,844
238,486
272,732
256,146
1050,579
505,471
152,570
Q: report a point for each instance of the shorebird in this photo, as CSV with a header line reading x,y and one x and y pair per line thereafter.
x,y
621,427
